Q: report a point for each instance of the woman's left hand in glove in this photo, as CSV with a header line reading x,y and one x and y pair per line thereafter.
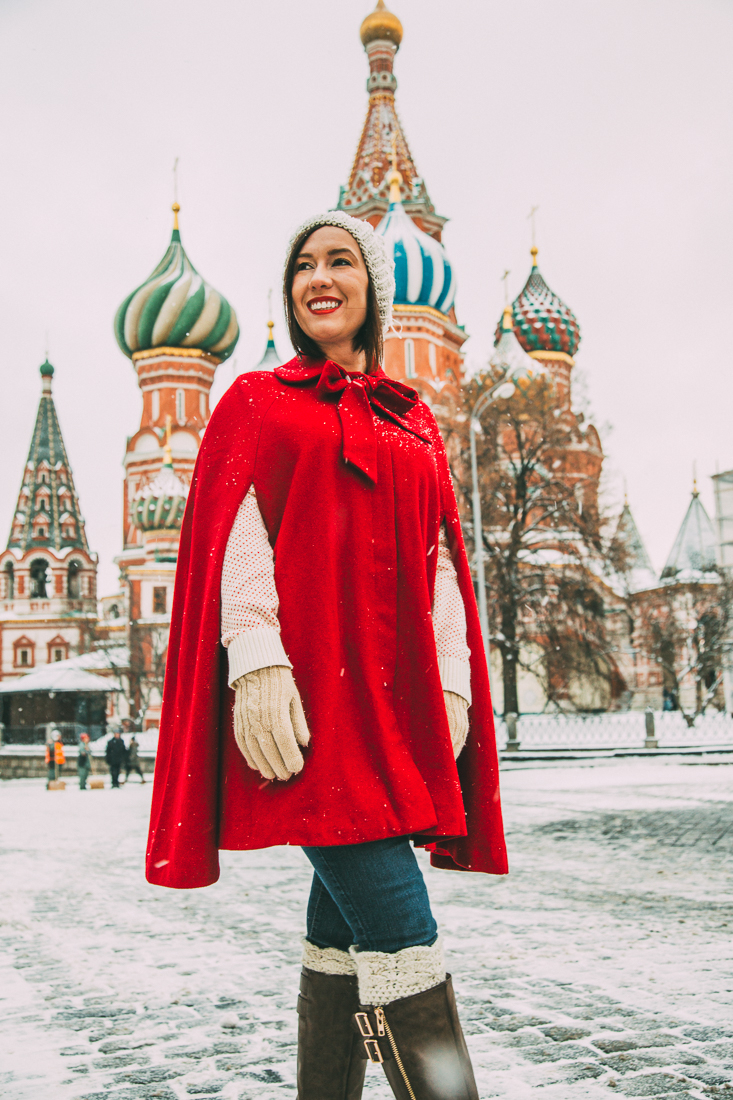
x,y
457,710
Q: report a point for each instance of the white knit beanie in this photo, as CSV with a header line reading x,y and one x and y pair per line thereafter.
x,y
380,264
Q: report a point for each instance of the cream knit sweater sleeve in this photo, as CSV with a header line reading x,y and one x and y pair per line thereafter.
x,y
449,624
250,629
249,605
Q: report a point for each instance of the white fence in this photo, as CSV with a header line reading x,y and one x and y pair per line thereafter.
x,y
617,731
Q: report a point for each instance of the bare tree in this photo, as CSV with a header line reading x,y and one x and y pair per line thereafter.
x,y
544,540
148,654
685,630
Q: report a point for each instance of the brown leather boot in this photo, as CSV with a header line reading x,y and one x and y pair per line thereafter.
x,y
420,1042
331,1059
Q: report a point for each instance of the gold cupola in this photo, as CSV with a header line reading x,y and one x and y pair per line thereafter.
x,y
381,25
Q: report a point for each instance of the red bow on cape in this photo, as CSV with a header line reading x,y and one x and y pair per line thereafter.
x,y
359,395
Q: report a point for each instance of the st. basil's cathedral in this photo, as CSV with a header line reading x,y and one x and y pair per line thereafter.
x,y
177,330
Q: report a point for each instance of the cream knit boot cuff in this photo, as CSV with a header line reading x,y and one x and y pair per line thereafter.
x,y
385,977
327,960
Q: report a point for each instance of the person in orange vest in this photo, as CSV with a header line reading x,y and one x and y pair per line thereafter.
x,y
55,758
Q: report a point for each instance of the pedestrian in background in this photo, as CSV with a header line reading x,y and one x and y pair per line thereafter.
x,y
133,760
55,758
84,761
116,757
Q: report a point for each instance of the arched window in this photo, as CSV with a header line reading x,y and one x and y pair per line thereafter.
x,y
73,581
409,358
9,581
432,359
58,649
155,405
114,611
39,579
181,406
24,653
202,405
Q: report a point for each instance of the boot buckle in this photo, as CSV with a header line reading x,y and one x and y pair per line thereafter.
x,y
374,1054
365,1028
371,1045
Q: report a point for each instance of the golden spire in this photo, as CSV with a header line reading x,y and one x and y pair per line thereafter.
x,y
270,322
531,220
175,208
507,320
394,179
167,455
381,25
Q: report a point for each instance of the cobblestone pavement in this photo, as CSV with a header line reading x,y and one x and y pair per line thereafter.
x,y
600,966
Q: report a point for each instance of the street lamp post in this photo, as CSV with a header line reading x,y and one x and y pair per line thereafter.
x,y
501,391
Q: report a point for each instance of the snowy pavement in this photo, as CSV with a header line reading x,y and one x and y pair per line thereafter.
x,y
601,965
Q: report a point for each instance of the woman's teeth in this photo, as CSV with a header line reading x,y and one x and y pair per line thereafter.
x,y
323,304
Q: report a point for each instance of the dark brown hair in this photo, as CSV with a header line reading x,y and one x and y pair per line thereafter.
x,y
368,339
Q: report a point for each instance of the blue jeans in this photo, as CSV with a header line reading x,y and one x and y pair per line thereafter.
x,y
372,895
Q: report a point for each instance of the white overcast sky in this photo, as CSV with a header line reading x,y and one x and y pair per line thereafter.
x,y
614,116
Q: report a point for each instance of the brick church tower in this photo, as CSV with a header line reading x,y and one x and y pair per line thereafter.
x,y
48,575
384,188
176,329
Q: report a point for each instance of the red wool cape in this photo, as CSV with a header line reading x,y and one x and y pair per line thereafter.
x,y
353,483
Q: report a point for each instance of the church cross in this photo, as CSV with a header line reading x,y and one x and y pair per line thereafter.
x,y
531,219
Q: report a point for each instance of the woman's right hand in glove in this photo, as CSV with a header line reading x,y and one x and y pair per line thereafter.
x,y
269,722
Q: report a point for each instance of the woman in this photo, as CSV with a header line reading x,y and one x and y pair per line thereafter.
x,y
133,759
322,546
84,760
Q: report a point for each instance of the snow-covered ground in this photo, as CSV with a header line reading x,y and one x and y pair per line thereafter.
x,y
600,965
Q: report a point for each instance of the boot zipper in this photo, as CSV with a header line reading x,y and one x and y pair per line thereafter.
x,y
382,1028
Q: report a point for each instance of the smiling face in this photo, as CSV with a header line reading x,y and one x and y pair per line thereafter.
x,y
330,288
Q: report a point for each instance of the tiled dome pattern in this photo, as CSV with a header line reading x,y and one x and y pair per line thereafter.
x,y
542,321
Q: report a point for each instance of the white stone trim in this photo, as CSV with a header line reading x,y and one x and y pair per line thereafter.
x,y
386,977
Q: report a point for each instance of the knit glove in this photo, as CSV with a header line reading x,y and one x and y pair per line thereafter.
x,y
269,722
457,710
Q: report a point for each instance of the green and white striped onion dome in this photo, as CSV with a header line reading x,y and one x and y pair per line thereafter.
x,y
176,308
161,504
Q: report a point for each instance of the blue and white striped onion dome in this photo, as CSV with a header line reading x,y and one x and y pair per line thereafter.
x,y
423,273
161,504
175,308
